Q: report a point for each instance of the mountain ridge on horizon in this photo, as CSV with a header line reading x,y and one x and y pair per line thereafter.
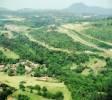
x,y
76,8
81,8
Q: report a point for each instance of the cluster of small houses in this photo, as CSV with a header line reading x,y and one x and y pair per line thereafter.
x,y
28,65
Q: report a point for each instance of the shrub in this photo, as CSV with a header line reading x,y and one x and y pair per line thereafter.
x,y
21,87
10,72
23,97
20,70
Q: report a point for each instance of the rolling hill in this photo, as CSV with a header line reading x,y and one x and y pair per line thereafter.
x,y
49,55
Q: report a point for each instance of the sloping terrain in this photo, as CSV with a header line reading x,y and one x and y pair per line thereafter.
x,y
77,33
68,60
52,86
44,44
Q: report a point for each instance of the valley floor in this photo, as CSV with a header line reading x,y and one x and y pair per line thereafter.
x,y
52,85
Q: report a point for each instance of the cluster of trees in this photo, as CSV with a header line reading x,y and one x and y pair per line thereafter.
x,y
42,91
39,71
23,97
89,87
2,57
18,70
41,21
5,91
80,68
109,62
5,60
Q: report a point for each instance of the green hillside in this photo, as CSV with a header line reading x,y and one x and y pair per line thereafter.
x,y
46,59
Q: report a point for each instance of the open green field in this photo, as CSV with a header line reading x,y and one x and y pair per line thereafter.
x,y
8,53
31,81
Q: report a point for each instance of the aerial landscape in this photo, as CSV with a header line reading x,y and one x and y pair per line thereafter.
x,y
55,54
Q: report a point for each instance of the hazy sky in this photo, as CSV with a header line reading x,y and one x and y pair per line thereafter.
x,y
51,4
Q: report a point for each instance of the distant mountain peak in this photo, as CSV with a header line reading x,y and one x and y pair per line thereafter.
x,y
81,8
79,4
